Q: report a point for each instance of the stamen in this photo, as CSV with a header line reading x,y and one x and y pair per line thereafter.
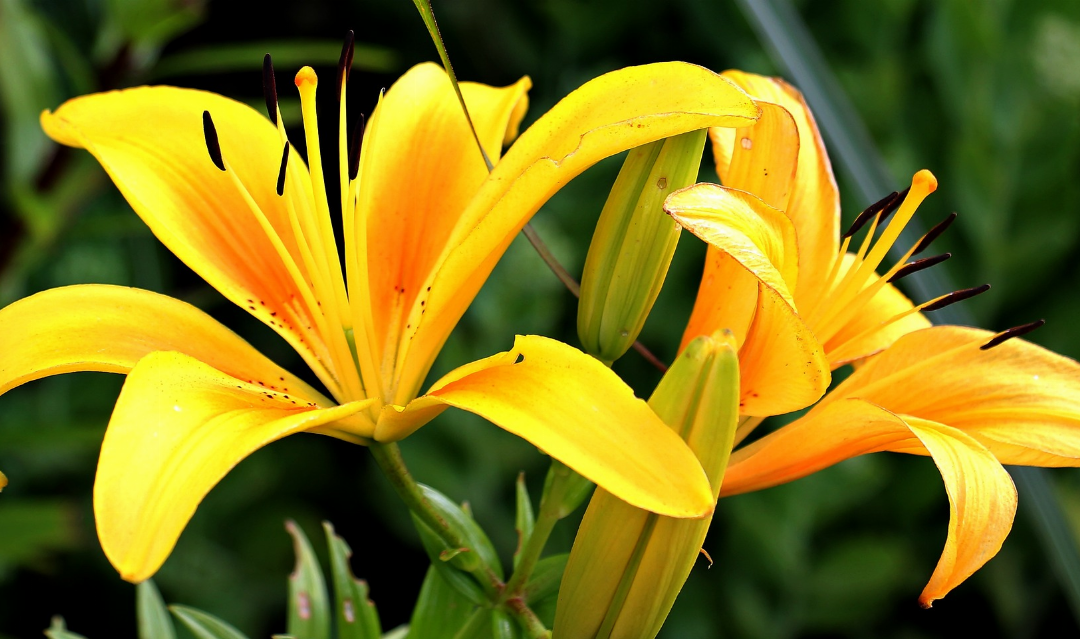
x,y
344,64
281,171
918,265
1016,331
354,146
212,146
934,233
893,205
868,214
954,297
270,88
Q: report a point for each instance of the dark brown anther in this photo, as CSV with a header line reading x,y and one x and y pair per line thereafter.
x,y
270,88
354,146
1015,331
868,214
281,171
344,64
934,233
954,297
893,205
918,265
212,146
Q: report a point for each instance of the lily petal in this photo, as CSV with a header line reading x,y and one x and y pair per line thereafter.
x,y
578,411
110,328
612,113
420,169
982,498
178,427
782,365
1019,399
150,141
814,201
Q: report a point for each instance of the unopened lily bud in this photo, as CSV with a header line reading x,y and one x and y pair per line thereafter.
x,y
628,565
633,244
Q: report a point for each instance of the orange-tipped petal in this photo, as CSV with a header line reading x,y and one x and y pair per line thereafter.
x,y
612,113
150,140
578,411
420,169
110,328
782,366
178,427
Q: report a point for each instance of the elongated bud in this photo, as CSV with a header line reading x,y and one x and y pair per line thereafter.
x,y
628,565
633,244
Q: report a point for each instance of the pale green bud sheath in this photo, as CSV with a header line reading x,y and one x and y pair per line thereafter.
x,y
633,244
628,565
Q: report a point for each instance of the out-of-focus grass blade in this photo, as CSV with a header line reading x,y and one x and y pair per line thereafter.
x,y
309,604
205,626
354,612
58,630
792,47
153,618
287,54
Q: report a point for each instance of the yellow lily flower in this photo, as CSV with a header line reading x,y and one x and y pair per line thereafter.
x,y
970,399
424,224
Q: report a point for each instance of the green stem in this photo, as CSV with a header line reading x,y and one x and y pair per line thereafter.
x,y
389,459
527,619
551,505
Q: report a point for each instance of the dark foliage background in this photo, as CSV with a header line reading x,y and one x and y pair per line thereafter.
x,y
984,94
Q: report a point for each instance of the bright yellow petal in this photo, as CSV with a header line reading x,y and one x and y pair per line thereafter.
x,y
814,202
982,504
782,366
110,328
421,167
609,114
578,411
982,498
150,141
867,332
178,427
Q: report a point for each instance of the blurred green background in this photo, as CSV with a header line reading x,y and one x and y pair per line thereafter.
x,y
985,94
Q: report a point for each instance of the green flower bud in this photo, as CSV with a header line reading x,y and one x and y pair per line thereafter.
x,y
628,565
633,244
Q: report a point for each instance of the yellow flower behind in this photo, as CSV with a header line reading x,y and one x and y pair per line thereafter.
x,y
424,224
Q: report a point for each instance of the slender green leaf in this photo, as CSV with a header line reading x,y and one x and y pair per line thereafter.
x,y
441,609
152,615
204,625
309,603
58,630
524,519
456,564
354,613
424,7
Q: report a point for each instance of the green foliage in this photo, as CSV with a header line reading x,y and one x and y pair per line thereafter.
x,y
152,615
